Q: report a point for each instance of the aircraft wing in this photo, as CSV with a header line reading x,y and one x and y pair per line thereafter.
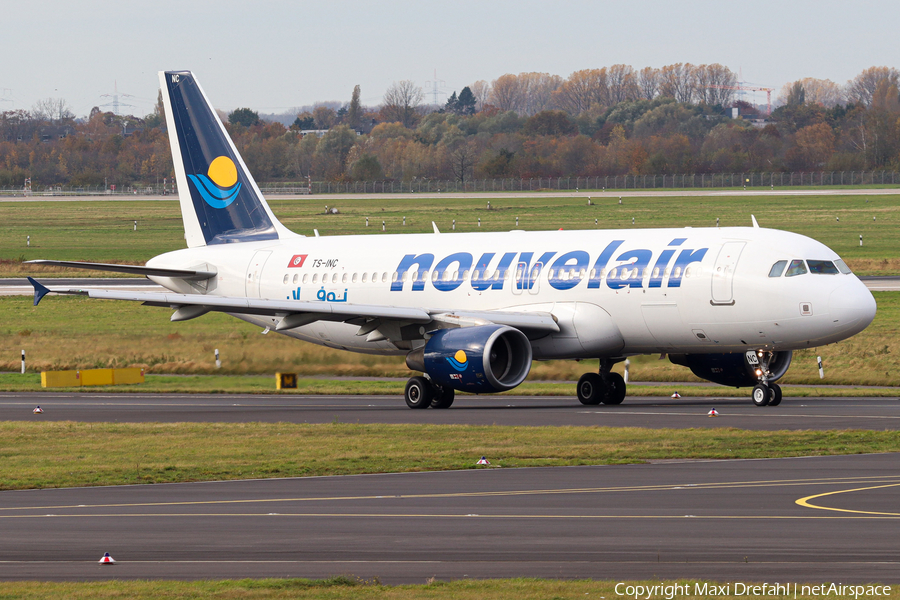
x,y
296,313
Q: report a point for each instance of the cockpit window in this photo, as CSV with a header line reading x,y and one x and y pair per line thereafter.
x,y
842,267
822,267
797,267
777,269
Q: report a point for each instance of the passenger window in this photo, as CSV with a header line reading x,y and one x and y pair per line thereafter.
x,y
778,268
365,277
822,267
842,267
797,267
384,277
295,278
285,278
343,278
305,277
315,277
354,278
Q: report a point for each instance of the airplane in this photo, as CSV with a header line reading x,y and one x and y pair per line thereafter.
x,y
471,311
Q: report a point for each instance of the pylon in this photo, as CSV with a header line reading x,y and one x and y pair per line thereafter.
x,y
676,395
107,559
38,410
483,461
713,413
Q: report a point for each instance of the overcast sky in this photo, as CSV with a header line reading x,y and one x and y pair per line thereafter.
x,y
272,55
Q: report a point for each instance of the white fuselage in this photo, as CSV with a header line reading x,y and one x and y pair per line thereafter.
x,y
613,292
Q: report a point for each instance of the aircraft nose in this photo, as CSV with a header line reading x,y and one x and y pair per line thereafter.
x,y
852,307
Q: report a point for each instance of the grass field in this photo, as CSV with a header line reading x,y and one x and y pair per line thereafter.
x,y
104,231
350,587
67,332
46,454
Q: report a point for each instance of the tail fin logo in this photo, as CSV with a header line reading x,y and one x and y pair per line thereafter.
x,y
219,186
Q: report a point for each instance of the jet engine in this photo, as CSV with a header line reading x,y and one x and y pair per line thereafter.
x,y
481,359
735,369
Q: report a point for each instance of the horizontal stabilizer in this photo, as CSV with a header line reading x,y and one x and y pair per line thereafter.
x,y
187,274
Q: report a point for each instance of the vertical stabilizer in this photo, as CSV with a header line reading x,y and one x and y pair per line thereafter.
x,y
220,201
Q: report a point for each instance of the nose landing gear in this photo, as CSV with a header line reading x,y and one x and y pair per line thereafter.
x,y
765,393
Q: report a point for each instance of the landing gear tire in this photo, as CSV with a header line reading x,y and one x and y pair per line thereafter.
x,y
591,389
762,395
615,389
443,397
419,392
775,399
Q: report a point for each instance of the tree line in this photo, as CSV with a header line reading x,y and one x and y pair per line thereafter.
x,y
615,120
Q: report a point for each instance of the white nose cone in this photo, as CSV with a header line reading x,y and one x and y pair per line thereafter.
x,y
852,308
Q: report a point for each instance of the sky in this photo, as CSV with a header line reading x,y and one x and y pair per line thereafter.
x,y
274,55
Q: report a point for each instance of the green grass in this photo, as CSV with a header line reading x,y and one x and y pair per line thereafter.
x,y
346,587
103,231
44,454
67,332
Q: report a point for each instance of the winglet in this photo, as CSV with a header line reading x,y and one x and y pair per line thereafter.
x,y
39,290
755,224
435,227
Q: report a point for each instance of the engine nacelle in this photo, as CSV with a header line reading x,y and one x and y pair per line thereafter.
x,y
482,359
732,369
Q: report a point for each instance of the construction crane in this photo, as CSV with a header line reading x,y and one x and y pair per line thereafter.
x,y
749,88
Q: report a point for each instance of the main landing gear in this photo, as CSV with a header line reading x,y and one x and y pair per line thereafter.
x,y
421,392
606,387
765,393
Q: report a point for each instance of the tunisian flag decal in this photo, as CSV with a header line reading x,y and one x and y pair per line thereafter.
x,y
297,261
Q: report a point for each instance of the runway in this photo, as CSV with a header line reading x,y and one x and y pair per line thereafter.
x,y
653,412
831,519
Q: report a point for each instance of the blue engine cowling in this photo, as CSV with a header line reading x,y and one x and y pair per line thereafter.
x,y
732,369
482,359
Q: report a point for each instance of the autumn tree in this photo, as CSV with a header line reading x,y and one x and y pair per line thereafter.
x,y
507,93
354,111
401,101
243,116
862,87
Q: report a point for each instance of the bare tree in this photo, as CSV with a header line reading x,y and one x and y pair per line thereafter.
x,y
539,88
622,82
401,102
818,91
482,91
677,81
648,83
54,110
713,83
862,87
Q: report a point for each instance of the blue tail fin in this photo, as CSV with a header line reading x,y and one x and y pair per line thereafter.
x,y
220,201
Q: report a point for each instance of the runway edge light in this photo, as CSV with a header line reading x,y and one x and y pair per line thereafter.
x,y
713,413
107,559
483,461
676,395
37,410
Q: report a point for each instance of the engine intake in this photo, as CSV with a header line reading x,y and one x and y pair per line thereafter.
x,y
732,369
481,359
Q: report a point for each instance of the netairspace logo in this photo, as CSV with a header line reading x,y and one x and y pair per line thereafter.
x,y
674,590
